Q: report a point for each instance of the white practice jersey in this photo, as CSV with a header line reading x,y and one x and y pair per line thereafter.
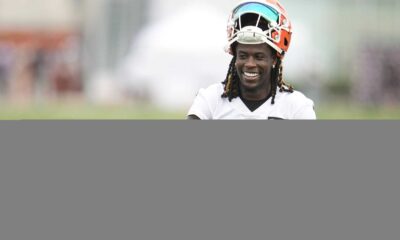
x,y
209,104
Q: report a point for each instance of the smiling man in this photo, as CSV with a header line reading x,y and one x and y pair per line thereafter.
x,y
259,34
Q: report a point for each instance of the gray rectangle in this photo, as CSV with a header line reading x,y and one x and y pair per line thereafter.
x,y
199,180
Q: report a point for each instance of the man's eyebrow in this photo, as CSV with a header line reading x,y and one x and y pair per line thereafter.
x,y
256,53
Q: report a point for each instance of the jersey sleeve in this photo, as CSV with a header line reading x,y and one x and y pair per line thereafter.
x,y
306,111
205,103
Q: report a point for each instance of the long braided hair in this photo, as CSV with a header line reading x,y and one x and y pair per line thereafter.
x,y
232,81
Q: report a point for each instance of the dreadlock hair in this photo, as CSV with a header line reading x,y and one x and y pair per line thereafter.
x,y
232,81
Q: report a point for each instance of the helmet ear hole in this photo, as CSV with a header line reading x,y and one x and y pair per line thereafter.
x,y
286,42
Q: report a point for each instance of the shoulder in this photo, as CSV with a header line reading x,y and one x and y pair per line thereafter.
x,y
213,90
297,104
212,93
206,101
295,98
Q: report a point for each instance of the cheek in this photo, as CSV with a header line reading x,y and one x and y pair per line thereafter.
x,y
237,66
266,67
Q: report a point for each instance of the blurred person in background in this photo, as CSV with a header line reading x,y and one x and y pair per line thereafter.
x,y
6,63
259,34
21,89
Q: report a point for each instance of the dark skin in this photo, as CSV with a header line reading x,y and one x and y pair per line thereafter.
x,y
254,64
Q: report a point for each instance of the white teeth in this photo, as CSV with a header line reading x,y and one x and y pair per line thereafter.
x,y
248,74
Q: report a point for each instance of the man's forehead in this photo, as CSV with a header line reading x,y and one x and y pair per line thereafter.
x,y
263,48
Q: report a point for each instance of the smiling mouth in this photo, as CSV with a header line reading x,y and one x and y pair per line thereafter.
x,y
251,75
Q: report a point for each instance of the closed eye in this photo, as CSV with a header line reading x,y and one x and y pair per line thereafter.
x,y
260,57
242,56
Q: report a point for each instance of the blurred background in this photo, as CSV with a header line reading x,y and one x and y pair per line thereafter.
x,y
137,59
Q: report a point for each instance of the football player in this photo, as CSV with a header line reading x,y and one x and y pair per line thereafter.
x,y
259,34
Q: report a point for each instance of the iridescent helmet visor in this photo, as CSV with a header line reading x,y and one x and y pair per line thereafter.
x,y
265,11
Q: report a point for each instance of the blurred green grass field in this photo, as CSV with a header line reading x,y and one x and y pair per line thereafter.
x,y
341,111
86,112
347,111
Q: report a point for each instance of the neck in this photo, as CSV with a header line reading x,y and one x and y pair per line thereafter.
x,y
257,94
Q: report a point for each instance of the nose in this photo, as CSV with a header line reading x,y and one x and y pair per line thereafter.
x,y
250,63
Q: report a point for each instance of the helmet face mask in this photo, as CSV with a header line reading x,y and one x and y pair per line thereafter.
x,y
255,22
